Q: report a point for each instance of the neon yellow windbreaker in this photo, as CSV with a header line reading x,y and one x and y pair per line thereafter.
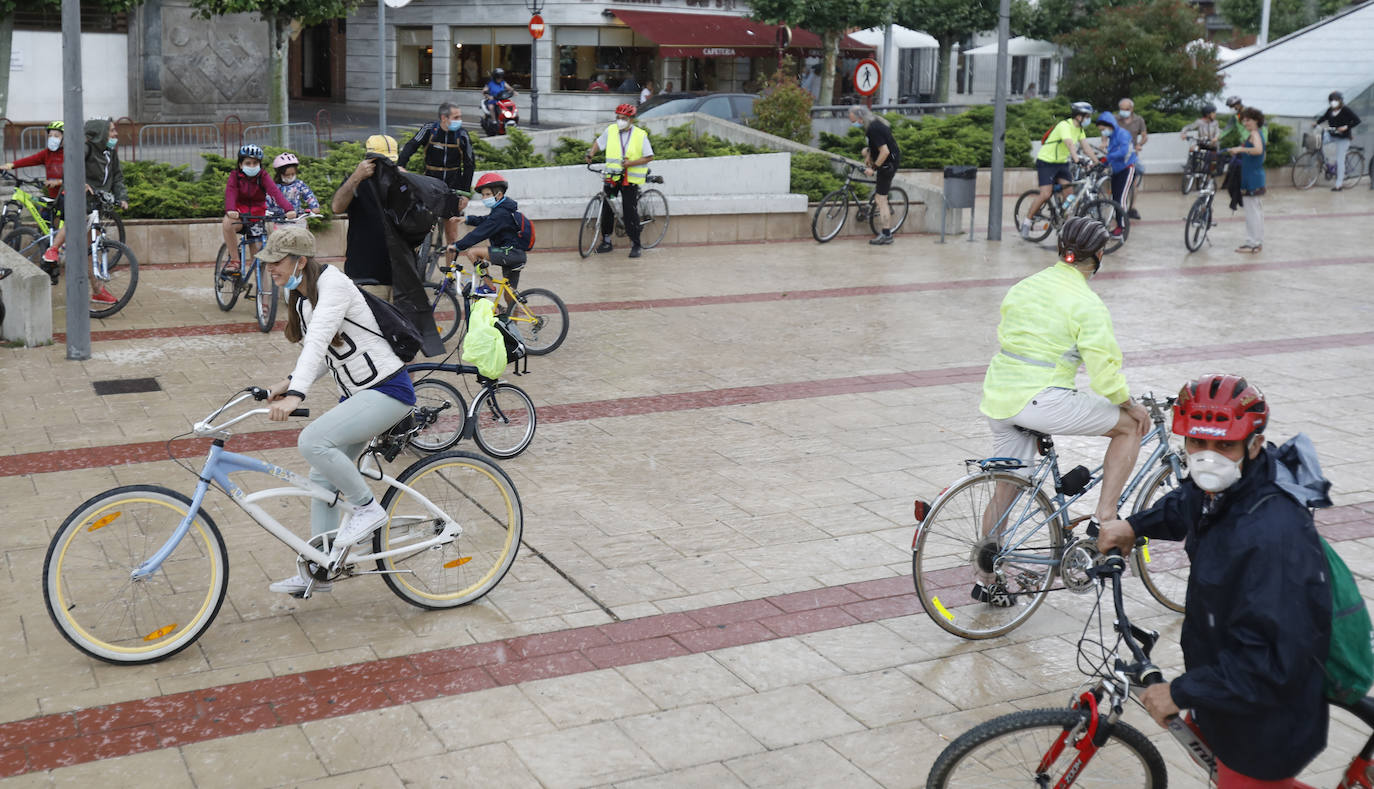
x,y
1051,322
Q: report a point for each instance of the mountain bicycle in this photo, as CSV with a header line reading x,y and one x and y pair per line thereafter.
x,y
501,419
537,315
1200,220
998,521
252,279
653,216
1313,164
1088,200
114,268
40,208
137,573
1087,743
833,211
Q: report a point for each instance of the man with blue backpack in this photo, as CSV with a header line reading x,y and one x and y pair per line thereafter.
x,y
510,234
1265,645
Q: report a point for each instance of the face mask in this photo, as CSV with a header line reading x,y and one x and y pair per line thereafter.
x,y
490,202
1213,471
111,143
54,143
286,179
251,171
293,281
857,124
1335,105
1124,113
622,124
1106,134
1086,122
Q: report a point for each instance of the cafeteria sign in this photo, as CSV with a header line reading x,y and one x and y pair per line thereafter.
x,y
718,52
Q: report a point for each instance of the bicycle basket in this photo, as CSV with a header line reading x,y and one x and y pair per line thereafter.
x,y
1311,141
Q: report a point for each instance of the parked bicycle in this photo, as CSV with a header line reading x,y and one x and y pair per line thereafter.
x,y
252,279
653,216
537,315
1312,164
41,208
833,211
501,419
1200,168
1092,185
999,521
1200,220
114,268
137,573
1087,743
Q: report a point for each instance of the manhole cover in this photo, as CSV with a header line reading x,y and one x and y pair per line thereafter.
x,y
126,386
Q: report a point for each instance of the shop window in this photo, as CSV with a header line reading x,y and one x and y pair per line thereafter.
x,y
477,51
603,59
1018,74
1045,76
414,57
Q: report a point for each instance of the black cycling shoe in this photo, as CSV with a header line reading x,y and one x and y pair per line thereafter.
x,y
1132,214
605,246
995,595
636,251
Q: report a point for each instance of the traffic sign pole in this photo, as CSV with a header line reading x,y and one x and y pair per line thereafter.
x,y
536,33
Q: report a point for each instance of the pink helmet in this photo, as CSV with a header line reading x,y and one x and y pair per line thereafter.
x,y
285,160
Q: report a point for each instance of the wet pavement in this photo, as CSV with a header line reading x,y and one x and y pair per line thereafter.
x,y
715,583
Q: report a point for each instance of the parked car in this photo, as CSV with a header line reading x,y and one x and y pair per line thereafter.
x,y
737,107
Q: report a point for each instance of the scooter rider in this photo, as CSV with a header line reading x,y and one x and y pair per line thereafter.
x,y
491,94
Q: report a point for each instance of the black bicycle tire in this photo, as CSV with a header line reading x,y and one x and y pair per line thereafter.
x,y
1358,169
234,284
14,240
126,259
644,198
587,246
443,292
1187,182
1304,163
1032,195
457,405
1142,501
894,195
1127,736
1094,209
265,323
541,350
476,418
842,197
1192,239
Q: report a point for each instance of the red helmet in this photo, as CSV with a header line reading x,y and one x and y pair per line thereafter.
x,y
626,109
491,179
1220,407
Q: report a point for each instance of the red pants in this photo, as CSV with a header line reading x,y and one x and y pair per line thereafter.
x,y
1230,779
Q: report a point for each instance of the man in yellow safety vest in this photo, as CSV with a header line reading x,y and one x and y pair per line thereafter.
x,y
628,153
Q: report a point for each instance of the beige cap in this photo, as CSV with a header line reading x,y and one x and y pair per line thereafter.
x,y
288,240
384,144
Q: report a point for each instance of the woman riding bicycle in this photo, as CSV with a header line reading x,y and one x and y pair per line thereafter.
x,y
332,321
246,192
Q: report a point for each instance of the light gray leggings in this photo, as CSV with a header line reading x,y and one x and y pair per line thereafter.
x,y
332,444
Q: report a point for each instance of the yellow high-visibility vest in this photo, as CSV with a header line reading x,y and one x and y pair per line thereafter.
x,y
615,156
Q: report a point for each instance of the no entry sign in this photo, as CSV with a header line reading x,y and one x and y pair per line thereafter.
x,y
537,26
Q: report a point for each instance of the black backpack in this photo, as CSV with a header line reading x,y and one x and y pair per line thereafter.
x,y
396,329
515,347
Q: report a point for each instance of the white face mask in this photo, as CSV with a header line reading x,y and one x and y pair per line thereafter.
x,y
622,124
1213,471
286,179
251,170
1335,105
1124,113
54,143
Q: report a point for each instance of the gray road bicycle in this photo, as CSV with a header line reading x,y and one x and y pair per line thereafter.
x,y
653,217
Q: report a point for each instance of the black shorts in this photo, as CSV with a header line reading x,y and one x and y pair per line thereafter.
x,y
511,260
883,176
1051,172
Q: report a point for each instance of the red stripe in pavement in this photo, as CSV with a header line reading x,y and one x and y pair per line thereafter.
x,y
123,454
754,298
170,721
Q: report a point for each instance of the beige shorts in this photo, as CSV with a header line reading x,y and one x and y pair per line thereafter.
x,y
1053,411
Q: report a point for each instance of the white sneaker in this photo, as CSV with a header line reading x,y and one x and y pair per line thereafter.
x,y
360,526
296,585
1025,228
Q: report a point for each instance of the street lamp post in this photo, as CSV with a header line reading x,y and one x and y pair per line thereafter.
x,y
535,7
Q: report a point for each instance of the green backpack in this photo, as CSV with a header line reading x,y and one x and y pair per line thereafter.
x,y
1350,663
483,345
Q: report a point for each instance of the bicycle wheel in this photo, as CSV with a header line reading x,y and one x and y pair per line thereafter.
x,y
897,202
427,259
226,288
1354,168
1109,213
541,319
653,218
1307,168
831,216
111,221
26,241
1042,224
503,420
1197,224
87,584
121,275
448,310
1010,750
481,499
1161,564
447,427
962,540
589,234
1187,182
265,300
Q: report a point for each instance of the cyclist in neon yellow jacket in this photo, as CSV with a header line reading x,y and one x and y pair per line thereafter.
x,y
1051,323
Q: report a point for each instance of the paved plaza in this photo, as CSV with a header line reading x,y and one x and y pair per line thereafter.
x,y
715,584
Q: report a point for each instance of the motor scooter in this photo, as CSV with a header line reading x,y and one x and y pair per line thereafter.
x,y
506,113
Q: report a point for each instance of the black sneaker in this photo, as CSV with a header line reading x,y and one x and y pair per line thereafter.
x,y
995,595
882,239
605,246
1132,214
636,251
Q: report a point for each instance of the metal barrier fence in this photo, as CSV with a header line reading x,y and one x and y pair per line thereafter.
x,y
180,143
842,110
302,137
31,140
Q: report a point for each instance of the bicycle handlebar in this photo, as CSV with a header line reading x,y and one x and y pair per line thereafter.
x,y
1139,641
22,181
205,428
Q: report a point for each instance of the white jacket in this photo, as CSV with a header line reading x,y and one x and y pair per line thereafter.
x,y
361,359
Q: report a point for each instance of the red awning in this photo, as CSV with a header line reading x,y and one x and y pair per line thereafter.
x,y
685,35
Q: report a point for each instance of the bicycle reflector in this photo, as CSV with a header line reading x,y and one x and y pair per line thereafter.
x,y
921,509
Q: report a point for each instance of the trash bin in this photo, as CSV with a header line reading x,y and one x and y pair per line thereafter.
x,y
960,181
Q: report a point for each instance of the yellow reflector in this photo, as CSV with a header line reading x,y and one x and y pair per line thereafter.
x,y
939,606
1145,553
159,633
457,562
105,521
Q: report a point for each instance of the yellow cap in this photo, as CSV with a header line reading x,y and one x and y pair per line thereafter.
x,y
383,144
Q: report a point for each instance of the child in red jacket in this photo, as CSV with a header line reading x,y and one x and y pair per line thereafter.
x,y
246,192
50,157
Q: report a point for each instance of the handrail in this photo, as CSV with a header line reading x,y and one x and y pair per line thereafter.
x,y
840,110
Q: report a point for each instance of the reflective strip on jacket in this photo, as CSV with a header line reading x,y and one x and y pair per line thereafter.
x,y
1051,321
615,156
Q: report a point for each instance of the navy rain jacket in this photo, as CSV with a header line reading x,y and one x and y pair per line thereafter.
x,y
498,227
1258,621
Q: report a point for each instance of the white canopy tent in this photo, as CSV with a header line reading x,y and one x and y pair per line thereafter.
x,y
902,38
1020,45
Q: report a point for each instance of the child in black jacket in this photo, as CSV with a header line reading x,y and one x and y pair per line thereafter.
x,y
500,228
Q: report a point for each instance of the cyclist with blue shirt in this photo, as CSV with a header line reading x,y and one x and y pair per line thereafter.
x,y
1115,143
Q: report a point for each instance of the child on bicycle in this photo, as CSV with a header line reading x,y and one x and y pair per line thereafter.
x,y
103,174
500,229
287,168
246,192
329,317
51,157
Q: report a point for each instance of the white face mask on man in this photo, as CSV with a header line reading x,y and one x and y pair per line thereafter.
x,y
622,124
1213,471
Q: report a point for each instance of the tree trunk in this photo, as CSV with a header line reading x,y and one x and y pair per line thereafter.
x,y
6,42
276,77
942,70
830,45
